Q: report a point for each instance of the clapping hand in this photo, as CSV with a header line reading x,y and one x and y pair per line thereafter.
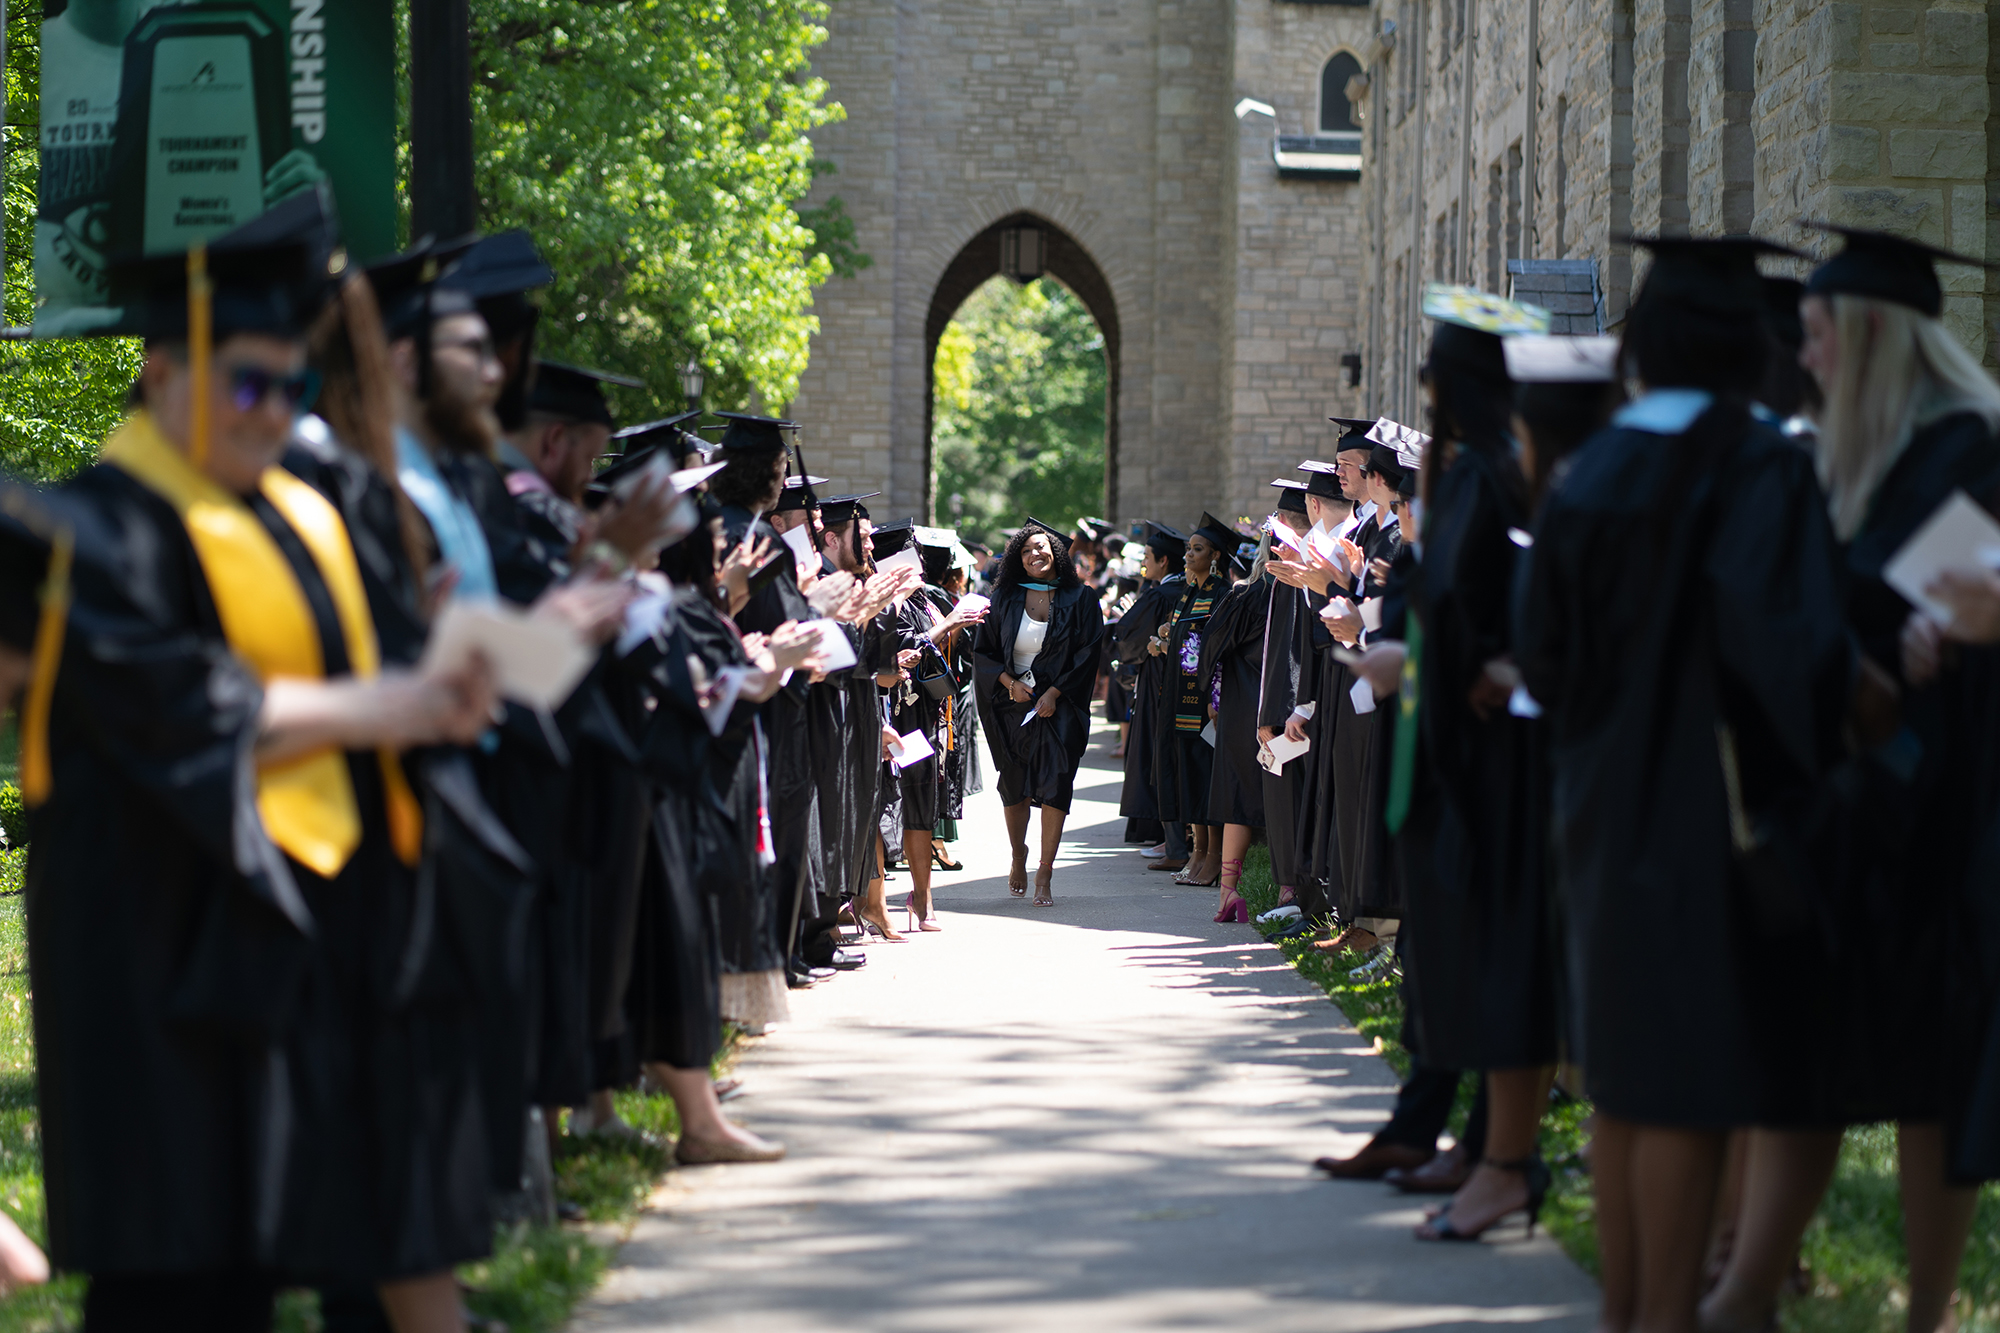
x,y
743,558
792,647
591,607
829,596
1974,598
1342,620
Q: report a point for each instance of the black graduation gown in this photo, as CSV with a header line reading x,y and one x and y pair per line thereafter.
x,y
1037,763
1638,636
296,1083
1137,798
1896,849
1369,886
1477,948
911,708
1278,687
961,774
1232,654
1184,762
845,711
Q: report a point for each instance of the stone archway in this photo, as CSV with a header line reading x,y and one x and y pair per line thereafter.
x,y
1063,259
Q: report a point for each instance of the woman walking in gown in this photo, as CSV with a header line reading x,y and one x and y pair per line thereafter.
x,y
1035,660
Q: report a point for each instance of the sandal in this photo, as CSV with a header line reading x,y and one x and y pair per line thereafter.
x,y
1534,1174
1017,875
944,862
1043,876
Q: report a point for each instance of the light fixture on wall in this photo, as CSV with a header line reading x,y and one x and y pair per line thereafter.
x,y
1351,363
692,379
1022,253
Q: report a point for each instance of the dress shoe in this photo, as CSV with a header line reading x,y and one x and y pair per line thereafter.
x,y
1443,1174
1300,929
1374,1160
799,980
1165,864
821,973
701,1152
847,960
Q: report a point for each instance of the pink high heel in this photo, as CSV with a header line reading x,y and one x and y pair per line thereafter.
x,y
1235,909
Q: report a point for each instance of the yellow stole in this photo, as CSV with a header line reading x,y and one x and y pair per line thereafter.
x,y
307,804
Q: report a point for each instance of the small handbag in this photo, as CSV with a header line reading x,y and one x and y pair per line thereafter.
x,y
934,674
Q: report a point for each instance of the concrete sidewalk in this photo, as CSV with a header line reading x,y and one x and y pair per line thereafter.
x,y
1096,1116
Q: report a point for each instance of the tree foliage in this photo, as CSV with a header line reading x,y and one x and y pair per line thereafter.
x,y
58,397
1017,413
656,150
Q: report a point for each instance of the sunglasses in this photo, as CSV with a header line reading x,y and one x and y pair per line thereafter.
x,y
250,386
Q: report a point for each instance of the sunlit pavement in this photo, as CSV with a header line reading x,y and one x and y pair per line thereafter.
x,y
1099,1115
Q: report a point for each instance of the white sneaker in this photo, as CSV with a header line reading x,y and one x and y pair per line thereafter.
x,y
1288,912
1152,853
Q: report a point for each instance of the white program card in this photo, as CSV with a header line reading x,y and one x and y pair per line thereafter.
x,y
1363,695
537,661
835,652
909,557
911,749
1283,749
799,538
1960,535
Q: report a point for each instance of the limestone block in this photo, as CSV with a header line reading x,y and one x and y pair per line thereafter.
x,y
1854,152
1951,154
1907,98
1915,213
1892,55
1843,37
1892,20
1954,38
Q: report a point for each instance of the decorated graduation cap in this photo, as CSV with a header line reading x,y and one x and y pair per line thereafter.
x,y
835,510
1713,275
1470,325
1057,537
1885,267
1095,529
794,496
1163,541
1219,534
269,276
1534,358
1407,443
1291,495
575,392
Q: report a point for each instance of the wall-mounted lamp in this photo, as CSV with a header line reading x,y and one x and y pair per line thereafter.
x,y
1351,363
1022,253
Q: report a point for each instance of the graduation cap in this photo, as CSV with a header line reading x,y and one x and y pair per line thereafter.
x,y
1323,479
838,510
270,275
1095,529
1470,325
793,496
1781,309
406,286
1350,427
1291,495
1168,543
1885,267
650,434
937,539
503,264
1219,534
890,538
575,392
744,432
1057,537
1715,275
1534,358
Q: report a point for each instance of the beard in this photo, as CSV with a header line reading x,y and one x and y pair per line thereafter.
x,y
461,426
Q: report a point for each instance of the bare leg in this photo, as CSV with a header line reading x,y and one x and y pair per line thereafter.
x,y
1617,1232
1937,1218
1675,1173
1515,1099
874,905
917,851
1197,871
1052,828
1124,735
1017,838
1785,1173
701,1115
426,1304
1235,846
1728,1213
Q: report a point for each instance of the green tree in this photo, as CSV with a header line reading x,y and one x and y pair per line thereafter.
x,y
1017,412
59,397
657,149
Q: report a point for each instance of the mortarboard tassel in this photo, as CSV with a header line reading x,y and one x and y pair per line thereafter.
x,y
37,772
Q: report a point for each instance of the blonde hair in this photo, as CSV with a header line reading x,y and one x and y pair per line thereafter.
x,y
1899,370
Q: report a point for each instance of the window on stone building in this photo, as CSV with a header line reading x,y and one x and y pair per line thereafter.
x,y
1562,176
1513,201
1493,189
1336,113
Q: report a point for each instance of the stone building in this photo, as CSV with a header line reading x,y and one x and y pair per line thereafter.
x,y
1099,139
1254,244
1503,131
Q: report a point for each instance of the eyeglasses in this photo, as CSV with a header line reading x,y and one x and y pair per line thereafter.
x,y
250,386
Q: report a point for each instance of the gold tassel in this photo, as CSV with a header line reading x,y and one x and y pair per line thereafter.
x,y
37,772
201,337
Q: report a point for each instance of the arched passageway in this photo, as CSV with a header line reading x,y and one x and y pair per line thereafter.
x,y
1063,259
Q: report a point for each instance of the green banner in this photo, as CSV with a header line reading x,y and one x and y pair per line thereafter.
x,y
167,124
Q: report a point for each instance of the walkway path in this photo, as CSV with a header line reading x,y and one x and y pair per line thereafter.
x,y
1097,1116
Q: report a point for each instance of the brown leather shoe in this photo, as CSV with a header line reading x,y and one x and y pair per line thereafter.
x,y
1165,864
1371,1162
1353,938
1443,1174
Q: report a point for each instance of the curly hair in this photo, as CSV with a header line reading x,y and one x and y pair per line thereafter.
x,y
1012,573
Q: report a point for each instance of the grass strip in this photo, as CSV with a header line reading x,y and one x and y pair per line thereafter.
x,y
1853,1251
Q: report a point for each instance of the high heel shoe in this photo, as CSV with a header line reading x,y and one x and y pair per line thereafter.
x,y
1234,908
1534,1173
944,862
1017,874
925,920
880,928
1043,878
